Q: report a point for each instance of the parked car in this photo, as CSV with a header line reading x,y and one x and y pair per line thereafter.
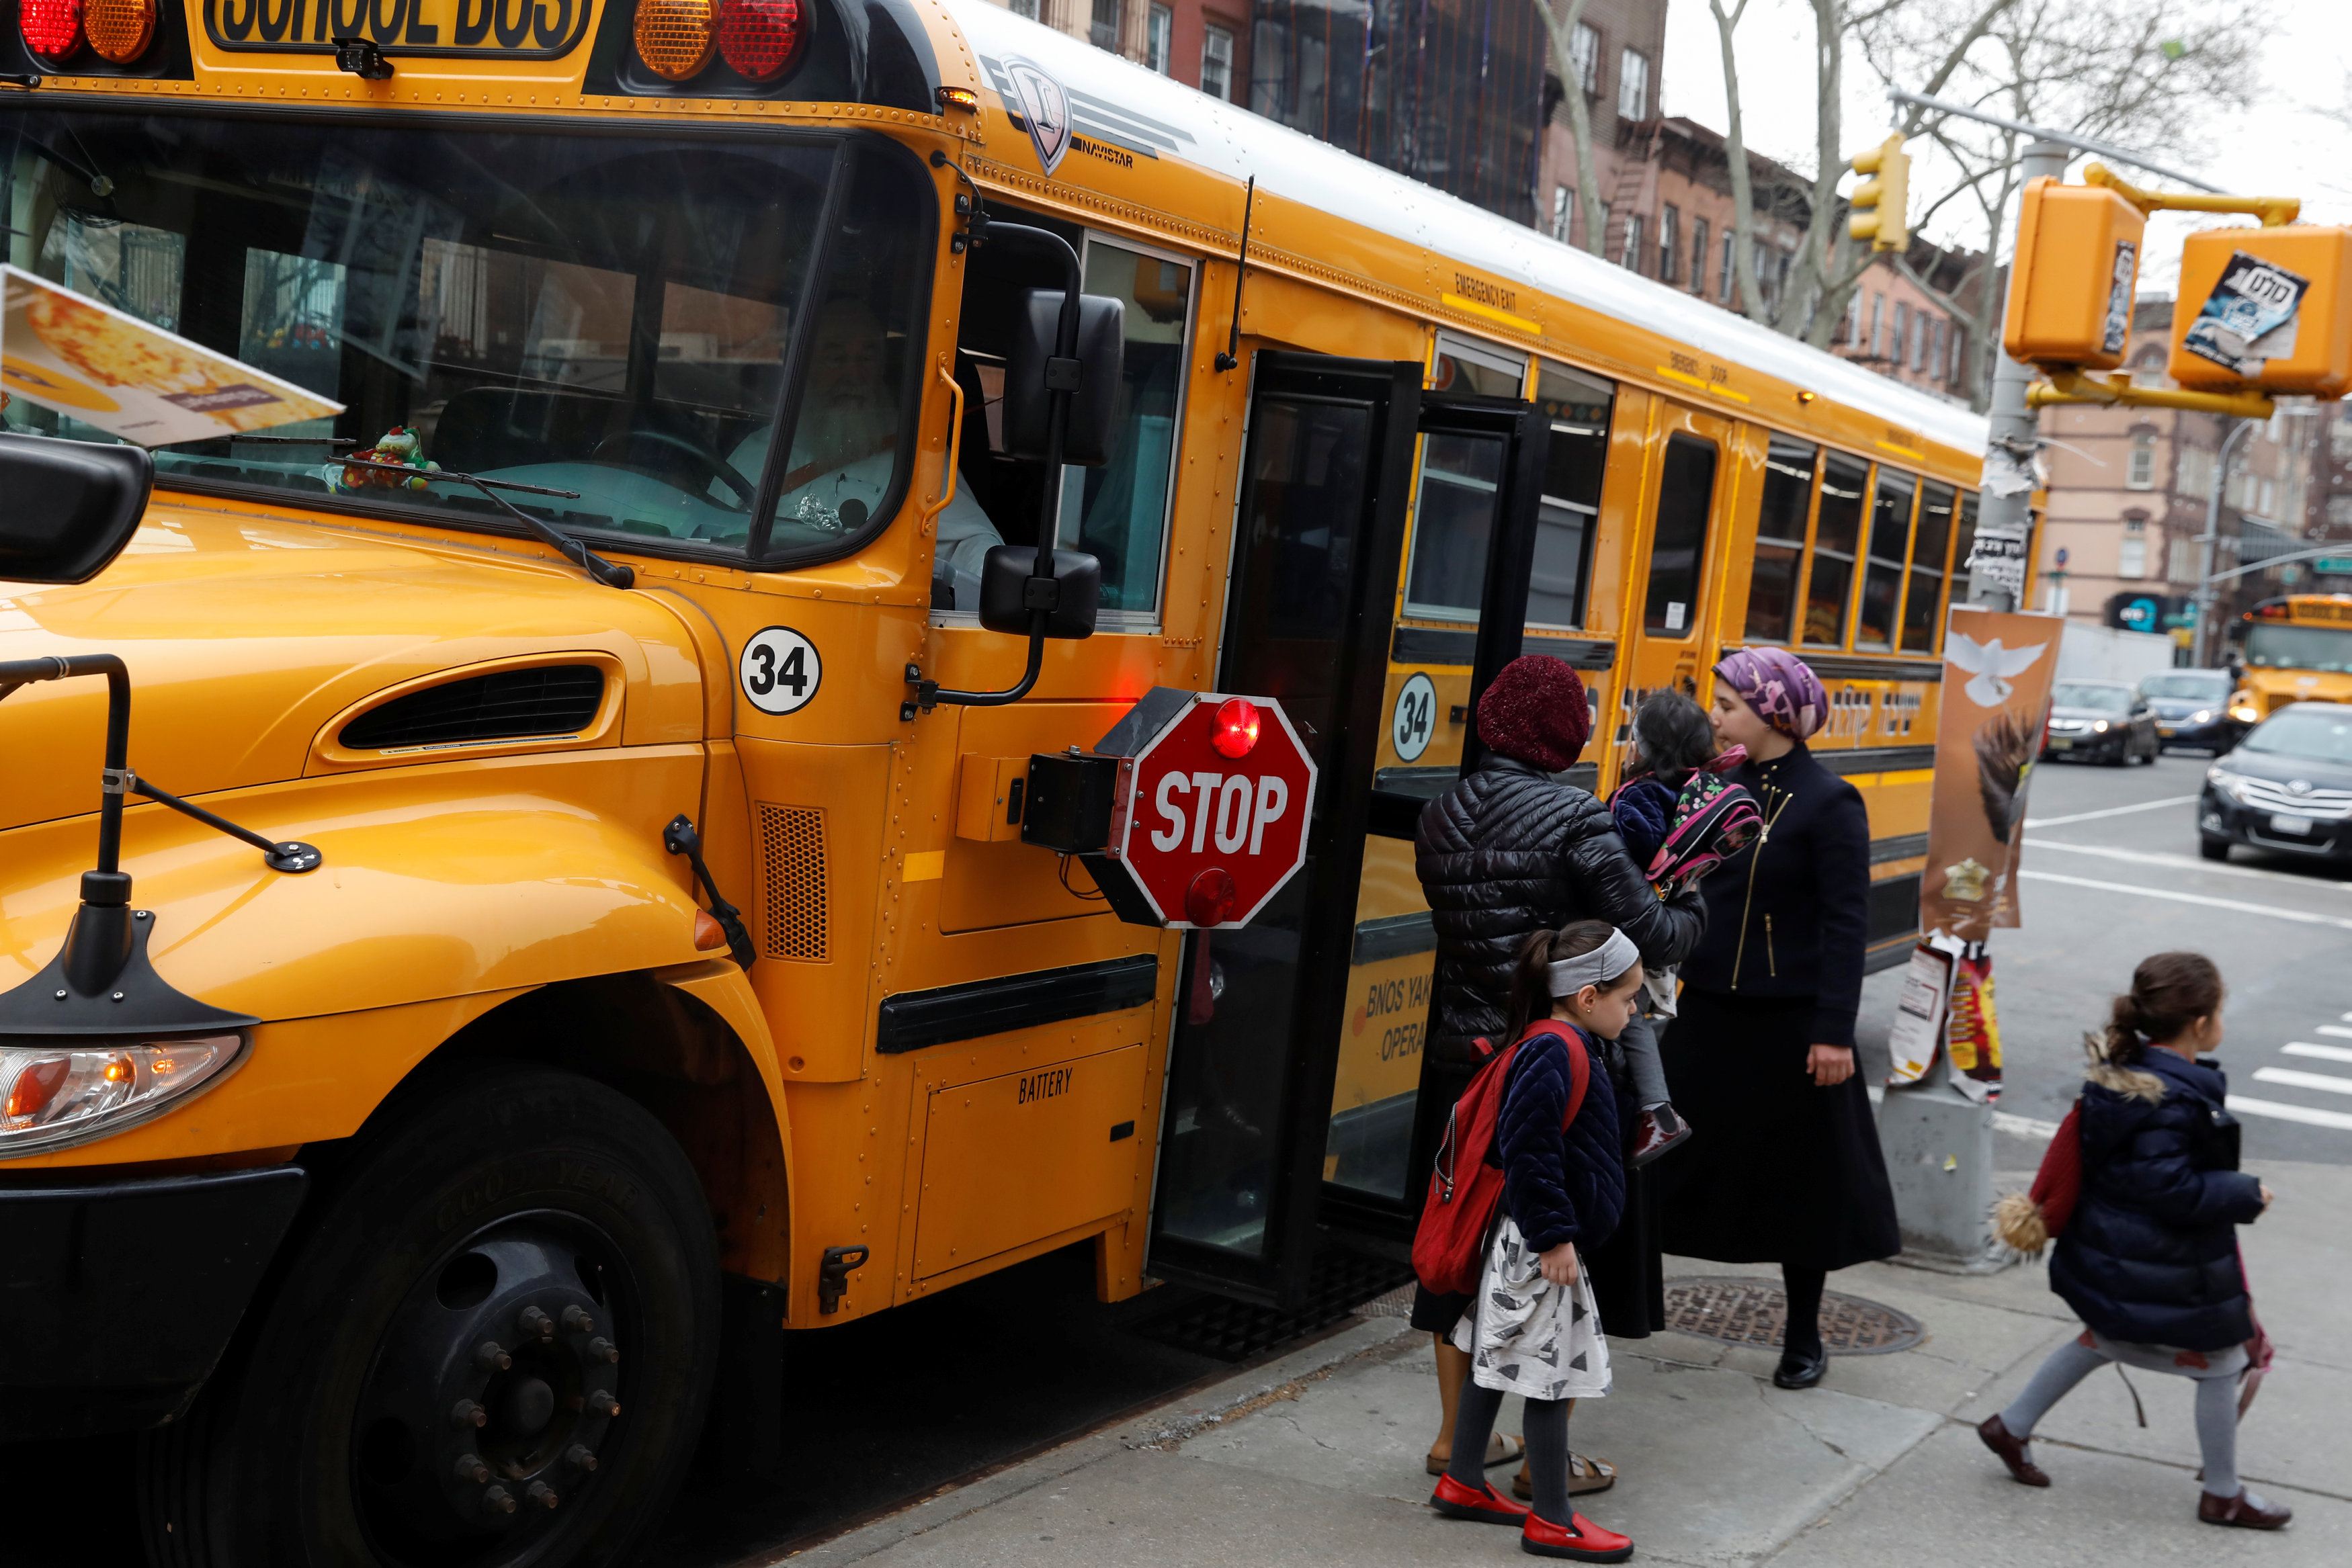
x,y
2100,721
2193,709
2288,787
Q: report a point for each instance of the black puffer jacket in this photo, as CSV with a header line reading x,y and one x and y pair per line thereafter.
x,y
2150,1255
1508,852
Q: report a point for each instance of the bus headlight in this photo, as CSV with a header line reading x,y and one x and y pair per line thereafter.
x,y
54,1094
2244,713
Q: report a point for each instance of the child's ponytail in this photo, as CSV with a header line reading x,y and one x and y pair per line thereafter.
x,y
1531,984
2170,992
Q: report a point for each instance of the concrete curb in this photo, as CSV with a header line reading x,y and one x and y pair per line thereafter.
x,y
1164,1427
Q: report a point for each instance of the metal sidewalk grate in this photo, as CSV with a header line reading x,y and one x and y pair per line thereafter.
x,y
1754,1312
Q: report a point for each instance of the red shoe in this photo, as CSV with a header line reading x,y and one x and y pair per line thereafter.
x,y
1483,1503
1580,1539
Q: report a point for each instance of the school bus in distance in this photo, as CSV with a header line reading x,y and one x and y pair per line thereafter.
x,y
499,1150
2295,648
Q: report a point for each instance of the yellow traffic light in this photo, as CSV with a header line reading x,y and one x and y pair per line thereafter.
x,y
1881,202
2267,307
2075,276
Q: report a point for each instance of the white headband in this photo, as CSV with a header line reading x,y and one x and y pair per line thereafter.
x,y
1602,964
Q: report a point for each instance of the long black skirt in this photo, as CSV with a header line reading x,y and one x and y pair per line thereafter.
x,y
1776,1170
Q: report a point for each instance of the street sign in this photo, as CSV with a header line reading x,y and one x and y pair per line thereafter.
x,y
1209,814
2333,564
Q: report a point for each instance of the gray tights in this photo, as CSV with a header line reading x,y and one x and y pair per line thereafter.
x,y
1546,1426
2217,1410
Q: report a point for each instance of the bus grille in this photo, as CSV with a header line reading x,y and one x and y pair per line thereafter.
x,y
505,705
791,856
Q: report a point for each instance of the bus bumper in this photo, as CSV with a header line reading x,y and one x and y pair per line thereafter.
x,y
117,1298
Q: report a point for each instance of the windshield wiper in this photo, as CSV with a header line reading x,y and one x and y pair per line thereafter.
x,y
579,555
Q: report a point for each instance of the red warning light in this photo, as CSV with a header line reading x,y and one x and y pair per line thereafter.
x,y
1210,900
1237,723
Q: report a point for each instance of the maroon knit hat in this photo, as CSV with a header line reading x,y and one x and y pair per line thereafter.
x,y
1536,711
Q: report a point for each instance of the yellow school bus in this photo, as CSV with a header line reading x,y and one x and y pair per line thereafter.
x,y
483,1134
2294,649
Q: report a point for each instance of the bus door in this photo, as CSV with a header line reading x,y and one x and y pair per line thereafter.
x,y
1686,515
1256,1168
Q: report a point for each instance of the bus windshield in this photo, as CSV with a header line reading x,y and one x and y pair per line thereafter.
x,y
610,314
2275,647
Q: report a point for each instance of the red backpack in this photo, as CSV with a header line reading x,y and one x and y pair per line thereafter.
x,y
1449,1247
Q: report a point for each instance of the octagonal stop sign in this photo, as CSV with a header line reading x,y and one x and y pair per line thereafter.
x,y
1209,814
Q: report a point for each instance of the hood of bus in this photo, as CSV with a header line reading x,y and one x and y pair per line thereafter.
x,y
248,636
2267,691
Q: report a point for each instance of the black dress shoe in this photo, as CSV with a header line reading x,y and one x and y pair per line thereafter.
x,y
1800,1368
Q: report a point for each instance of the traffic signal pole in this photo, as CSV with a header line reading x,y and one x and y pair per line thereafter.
x,y
2209,541
2005,514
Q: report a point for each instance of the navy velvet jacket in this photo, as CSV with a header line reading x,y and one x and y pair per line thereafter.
x,y
2150,1253
1559,1187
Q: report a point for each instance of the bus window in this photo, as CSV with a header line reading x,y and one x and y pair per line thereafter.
x,y
1924,596
1453,525
1780,539
609,316
1678,539
1578,407
1837,533
1465,369
1890,542
1118,513
1966,544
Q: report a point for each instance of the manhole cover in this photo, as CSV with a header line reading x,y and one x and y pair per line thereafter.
x,y
1754,1312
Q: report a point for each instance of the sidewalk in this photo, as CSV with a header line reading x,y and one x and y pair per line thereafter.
x,y
1317,1460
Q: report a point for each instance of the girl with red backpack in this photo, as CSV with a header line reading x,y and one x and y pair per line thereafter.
x,y
1532,1328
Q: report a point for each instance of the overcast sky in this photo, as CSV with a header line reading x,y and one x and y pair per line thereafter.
x,y
2284,148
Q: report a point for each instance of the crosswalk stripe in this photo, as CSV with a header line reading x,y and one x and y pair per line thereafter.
x,y
2279,1112
2336,1028
2187,863
2325,1053
2294,1079
2110,811
2298,915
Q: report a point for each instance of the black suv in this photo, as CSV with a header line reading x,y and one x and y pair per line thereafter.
x,y
2287,786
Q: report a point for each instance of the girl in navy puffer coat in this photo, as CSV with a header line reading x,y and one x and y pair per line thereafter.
x,y
2149,1259
1532,1328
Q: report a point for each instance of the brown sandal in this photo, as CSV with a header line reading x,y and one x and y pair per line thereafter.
x,y
1502,1448
1585,1476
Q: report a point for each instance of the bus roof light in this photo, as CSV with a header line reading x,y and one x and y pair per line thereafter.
x,y
1237,726
119,30
52,28
675,39
759,39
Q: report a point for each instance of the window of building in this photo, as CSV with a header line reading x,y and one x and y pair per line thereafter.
x,y
2131,555
1578,407
1923,600
1936,347
1564,211
1216,62
1878,326
1584,48
1849,331
1902,333
1631,257
1890,547
2269,507
1917,358
1104,33
1762,262
1958,354
2339,511
1633,85
2339,435
1698,255
1158,37
1670,230
1723,274
1837,535
2139,468
1773,582
1025,8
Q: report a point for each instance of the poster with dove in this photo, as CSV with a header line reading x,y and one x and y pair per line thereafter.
x,y
1998,668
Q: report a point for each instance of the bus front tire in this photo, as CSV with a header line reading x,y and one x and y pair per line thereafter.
x,y
491,1344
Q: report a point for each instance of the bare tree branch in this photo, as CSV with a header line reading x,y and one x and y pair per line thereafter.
x,y
1560,29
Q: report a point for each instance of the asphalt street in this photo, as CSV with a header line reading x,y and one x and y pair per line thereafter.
x,y
2111,874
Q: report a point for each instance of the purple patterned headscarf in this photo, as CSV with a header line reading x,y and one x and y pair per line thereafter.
x,y
1781,688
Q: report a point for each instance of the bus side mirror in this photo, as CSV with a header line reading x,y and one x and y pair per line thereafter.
x,y
70,506
1005,602
1031,374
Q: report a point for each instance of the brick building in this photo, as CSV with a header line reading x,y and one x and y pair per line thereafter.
x,y
2130,489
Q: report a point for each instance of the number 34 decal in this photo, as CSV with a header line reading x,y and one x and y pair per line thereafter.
x,y
781,670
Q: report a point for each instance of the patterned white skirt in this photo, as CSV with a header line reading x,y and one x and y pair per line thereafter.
x,y
1525,1334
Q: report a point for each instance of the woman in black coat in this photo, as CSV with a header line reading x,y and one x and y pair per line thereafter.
x,y
1507,852
1783,1166
2148,1256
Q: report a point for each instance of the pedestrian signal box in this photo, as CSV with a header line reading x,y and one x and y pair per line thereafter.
x,y
2269,308
2070,300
